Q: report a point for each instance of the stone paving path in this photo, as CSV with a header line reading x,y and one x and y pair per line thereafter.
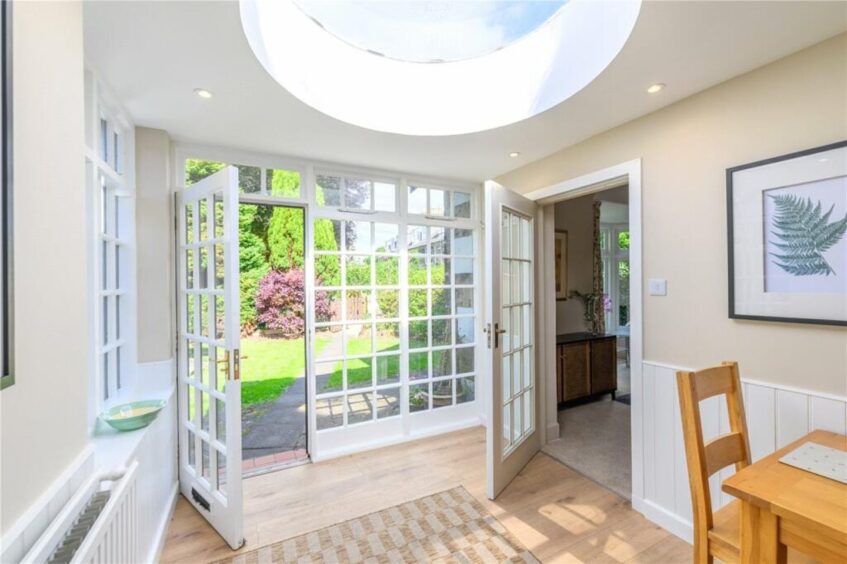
x,y
282,427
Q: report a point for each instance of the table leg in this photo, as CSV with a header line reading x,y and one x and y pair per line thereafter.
x,y
760,536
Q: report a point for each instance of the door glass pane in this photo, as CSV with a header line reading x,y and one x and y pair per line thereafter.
x,y
329,412
221,460
387,402
418,365
357,194
387,370
442,394
359,408
328,190
442,363
505,235
463,242
465,360
439,202
464,300
417,200
439,240
329,376
440,271
463,271
442,334
220,420
358,271
506,371
387,337
283,183
358,236
418,397
388,271
327,236
464,330
249,179
386,237
204,463
507,426
191,446
385,196
517,420
417,271
465,390
461,204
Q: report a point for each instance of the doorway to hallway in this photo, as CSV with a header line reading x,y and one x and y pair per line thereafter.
x,y
273,330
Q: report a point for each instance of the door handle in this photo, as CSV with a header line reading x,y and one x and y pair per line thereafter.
x,y
497,332
236,372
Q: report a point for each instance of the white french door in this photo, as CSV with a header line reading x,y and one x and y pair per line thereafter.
x,y
512,402
209,384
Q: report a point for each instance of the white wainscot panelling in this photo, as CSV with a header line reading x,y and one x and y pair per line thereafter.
x,y
776,415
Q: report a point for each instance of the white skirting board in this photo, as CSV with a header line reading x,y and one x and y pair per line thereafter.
x,y
776,416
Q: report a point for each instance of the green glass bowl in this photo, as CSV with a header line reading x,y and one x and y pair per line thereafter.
x,y
134,415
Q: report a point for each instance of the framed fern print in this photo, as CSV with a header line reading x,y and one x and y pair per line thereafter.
x,y
787,237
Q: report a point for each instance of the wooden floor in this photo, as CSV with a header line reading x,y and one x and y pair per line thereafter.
x,y
556,513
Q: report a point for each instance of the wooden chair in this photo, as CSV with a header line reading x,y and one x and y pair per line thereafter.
x,y
716,534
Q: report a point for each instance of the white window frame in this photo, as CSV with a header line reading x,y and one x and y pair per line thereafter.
x,y
338,441
611,254
110,187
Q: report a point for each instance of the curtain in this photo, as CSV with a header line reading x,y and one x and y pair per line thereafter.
x,y
597,290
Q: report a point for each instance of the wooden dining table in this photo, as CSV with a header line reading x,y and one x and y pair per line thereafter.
x,y
784,506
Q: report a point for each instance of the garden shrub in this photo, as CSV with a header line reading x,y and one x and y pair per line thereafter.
x,y
280,302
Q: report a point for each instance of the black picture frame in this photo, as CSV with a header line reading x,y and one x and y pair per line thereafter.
x,y
6,196
730,239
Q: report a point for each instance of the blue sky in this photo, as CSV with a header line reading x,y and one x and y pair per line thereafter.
x,y
425,30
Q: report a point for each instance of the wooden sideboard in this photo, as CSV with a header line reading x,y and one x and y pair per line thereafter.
x,y
586,365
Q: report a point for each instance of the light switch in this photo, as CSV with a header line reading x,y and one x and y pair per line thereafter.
x,y
658,287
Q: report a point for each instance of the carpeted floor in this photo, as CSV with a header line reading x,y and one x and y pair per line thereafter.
x,y
450,526
595,441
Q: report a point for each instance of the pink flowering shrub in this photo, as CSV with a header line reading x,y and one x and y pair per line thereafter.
x,y
280,302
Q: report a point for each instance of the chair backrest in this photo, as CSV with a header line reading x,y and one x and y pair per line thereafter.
x,y
706,458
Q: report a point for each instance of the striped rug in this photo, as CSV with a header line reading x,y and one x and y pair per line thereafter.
x,y
450,526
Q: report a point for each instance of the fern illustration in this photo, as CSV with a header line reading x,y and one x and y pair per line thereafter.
x,y
804,233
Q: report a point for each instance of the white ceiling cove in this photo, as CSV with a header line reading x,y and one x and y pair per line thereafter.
x,y
154,54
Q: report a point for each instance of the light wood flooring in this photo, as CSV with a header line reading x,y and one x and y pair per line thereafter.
x,y
556,513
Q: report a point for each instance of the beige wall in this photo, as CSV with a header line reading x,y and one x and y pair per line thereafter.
x,y
155,231
44,415
577,218
792,104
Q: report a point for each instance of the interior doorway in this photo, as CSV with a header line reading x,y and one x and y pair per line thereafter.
x,y
592,241
274,400
621,342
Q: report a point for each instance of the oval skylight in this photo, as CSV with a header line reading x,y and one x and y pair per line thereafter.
x,y
425,31
325,54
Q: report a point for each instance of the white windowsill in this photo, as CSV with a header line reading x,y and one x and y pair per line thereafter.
x,y
113,449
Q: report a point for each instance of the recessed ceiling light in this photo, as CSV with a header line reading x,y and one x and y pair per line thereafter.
x,y
655,88
514,154
203,93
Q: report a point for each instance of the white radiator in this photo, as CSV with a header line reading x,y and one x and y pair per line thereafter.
x,y
98,525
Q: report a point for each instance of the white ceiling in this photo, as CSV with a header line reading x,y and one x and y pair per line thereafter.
x,y
154,54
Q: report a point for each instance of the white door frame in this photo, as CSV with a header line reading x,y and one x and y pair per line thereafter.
x,y
624,173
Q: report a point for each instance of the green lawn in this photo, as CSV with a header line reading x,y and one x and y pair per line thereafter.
x,y
359,370
270,366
